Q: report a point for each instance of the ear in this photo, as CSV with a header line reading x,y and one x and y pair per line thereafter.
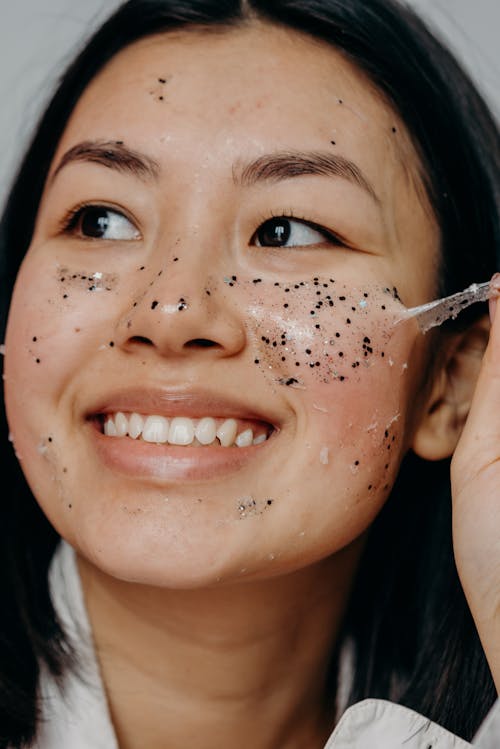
x,y
448,403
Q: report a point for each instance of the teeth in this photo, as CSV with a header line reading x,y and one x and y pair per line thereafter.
x,y
121,424
155,429
180,430
110,429
135,426
206,430
227,432
260,439
244,439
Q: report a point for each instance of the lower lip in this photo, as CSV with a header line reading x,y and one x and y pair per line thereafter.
x,y
139,459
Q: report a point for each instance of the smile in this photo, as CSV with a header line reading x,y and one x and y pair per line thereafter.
x,y
185,431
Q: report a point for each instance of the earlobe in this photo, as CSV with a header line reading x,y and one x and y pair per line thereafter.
x,y
448,404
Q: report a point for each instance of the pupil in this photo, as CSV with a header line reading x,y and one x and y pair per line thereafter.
x,y
95,221
274,233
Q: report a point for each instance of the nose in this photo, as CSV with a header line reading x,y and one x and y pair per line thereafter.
x,y
180,313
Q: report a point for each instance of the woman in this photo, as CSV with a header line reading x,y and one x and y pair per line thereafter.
x,y
213,403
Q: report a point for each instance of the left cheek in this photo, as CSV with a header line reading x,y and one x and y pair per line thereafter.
x,y
347,364
353,430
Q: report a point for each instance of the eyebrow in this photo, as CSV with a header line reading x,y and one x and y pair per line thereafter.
x,y
288,164
268,168
111,154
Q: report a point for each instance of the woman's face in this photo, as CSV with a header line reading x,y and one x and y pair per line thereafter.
x,y
218,248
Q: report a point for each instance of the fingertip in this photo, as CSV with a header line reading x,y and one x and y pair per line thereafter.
x,y
492,305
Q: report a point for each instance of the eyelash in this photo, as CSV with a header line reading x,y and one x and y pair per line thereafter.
x,y
329,235
70,219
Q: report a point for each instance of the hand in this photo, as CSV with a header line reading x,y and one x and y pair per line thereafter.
x,y
475,478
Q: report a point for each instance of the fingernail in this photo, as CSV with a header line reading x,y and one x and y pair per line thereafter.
x,y
495,282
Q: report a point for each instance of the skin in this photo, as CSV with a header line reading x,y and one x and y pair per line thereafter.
x,y
192,599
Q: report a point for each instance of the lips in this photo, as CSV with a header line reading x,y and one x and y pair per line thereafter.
x,y
177,434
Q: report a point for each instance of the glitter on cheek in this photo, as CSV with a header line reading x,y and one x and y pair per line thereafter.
x,y
321,329
94,281
339,355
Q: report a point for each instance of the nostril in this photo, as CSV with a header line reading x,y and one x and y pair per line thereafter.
x,y
201,343
141,339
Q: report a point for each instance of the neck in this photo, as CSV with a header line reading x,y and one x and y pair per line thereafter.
x,y
243,665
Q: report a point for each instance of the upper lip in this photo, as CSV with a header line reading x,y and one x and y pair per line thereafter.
x,y
179,402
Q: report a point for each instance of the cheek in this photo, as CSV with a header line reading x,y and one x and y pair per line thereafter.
x,y
51,309
349,371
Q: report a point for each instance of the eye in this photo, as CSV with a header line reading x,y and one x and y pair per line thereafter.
x,y
100,222
284,231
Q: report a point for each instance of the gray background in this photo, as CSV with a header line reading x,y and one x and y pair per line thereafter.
x,y
38,36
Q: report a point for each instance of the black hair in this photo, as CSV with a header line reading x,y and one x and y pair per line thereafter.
x,y
413,636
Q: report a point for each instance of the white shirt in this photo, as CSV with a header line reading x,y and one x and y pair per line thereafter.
x,y
77,717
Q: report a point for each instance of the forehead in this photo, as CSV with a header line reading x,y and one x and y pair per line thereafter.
x,y
261,84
